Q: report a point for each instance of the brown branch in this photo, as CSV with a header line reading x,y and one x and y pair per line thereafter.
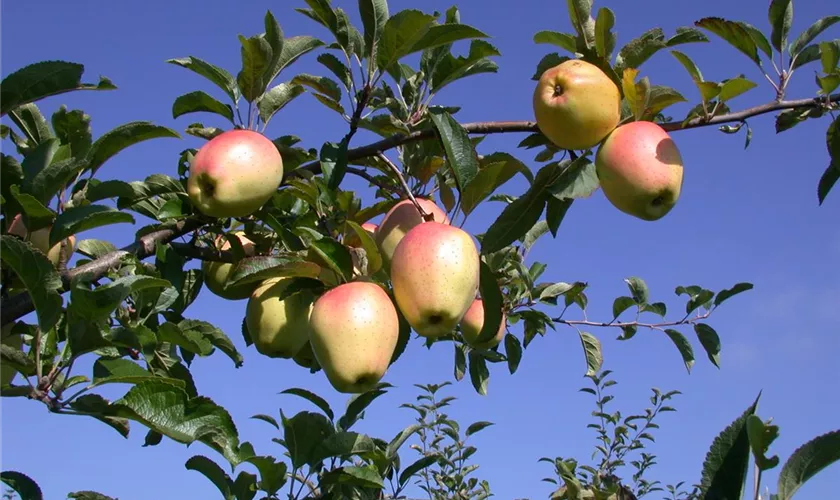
x,y
366,176
14,307
531,126
426,216
636,324
203,253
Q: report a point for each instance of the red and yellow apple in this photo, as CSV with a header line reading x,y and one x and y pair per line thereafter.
x,y
234,174
435,275
400,220
640,170
354,331
473,322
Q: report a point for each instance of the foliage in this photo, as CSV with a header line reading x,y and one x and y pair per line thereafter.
x,y
130,318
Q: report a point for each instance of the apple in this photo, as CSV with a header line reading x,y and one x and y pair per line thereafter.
x,y
354,332
40,239
473,322
435,275
216,274
7,373
640,170
306,358
576,104
353,240
399,220
234,174
278,328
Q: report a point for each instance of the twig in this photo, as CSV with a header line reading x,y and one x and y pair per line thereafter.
x,y
637,324
366,176
426,216
16,306
203,253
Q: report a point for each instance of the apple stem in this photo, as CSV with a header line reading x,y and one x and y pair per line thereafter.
x,y
428,217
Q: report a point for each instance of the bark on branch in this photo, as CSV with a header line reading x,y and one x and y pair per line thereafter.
x,y
14,307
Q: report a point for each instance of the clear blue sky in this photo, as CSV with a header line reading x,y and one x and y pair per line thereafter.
x,y
744,216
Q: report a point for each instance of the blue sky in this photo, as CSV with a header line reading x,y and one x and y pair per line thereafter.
x,y
743,216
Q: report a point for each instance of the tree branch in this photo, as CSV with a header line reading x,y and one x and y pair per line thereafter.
x,y
636,324
530,126
14,307
423,214
203,253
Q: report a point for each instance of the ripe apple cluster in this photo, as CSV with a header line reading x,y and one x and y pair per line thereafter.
x,y
577,106
351,331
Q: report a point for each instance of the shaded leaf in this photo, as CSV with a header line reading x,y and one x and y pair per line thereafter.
x,y
199,101
22,484
312,398
780,15
460,154
38,275
592,353
684,346
735,33
82,218
121,137
43,79
811,33
806,461
219,76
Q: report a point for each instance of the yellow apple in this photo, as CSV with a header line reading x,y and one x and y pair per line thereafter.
x,y
306,358
234,174
40,239
473,322
354,332
435,275
278,328
576,104
216,274
640,170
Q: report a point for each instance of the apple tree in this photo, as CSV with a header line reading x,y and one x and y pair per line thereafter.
x,y
271,225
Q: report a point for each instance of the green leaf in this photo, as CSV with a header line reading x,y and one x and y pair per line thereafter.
x,y
513,352
374,257
272,473
24,485
555,211
363,477
100,302
401,32
476,427
121,137
449,68
276,98
123,371
274,37
320,84
168,409
303,435
293,48
731,292
639,289
43,79
780,14
547,62
640,49
562,40
215,336
335,255
89,495
199,101
829,55
592,352
416,467
220,77
604,37
621,304
48,182
479,374
338,68
334,162
38,275
312,398
811,33
725,467
685,35
445,34
761,436
684,346
656,308
832,173
38,159
460,153
81,218
710,340
17,360
374,15
580,15
806,461
497,169
73,130
577,180
357,405
256,56
460,368
689,65
95,406
37,215
213,472
493,301
735,87
257,269
735,33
